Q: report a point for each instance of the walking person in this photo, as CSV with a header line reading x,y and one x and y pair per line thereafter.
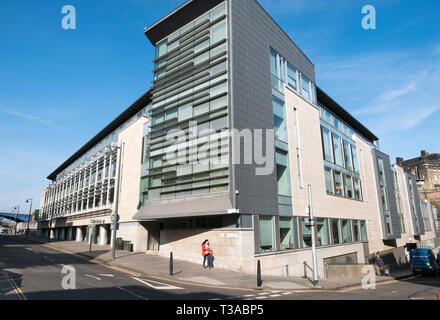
x,y
206,248
379,263
211,259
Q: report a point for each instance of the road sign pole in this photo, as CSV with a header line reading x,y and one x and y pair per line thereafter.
x,y
313,227
115,220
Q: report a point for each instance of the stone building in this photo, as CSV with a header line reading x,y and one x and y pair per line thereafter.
x,y
426,169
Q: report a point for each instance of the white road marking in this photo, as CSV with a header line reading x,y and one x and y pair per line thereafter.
x,y
162,286
132,293
249,295
106,275
71,268
264,297
93,277
263,294
285,293
275,295
275,291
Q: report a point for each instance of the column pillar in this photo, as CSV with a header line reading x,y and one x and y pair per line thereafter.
x,y
52,233
103,235
79,234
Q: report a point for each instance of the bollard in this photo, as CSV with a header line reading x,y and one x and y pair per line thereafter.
x,y
259,282
171,263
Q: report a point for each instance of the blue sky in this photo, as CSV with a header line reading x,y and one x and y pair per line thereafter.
x,y
59,87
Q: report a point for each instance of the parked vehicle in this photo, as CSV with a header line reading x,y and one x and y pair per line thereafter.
x,y
423,261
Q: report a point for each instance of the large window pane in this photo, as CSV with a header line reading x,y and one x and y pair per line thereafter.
x,y
218,31
279,120
305,87
356,231
306,233
364,231
273,63
355,159
346,231
267,242
292,77
349,186
329,185
287,236
348,160
323,232
339,185
326,140
338,150
336,231
357,189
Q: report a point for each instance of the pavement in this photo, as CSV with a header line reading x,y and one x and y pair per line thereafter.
x,y
141,264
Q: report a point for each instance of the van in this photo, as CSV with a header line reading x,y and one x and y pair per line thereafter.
x,y
423,262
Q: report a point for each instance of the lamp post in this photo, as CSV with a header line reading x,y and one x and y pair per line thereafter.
x,y
30,213
312,223
115,216
16,222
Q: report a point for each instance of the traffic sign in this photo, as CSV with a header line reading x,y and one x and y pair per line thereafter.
x,y
97,221
114,218
112,226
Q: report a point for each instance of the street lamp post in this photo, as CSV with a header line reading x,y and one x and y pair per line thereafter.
x,y
16,222
115,214
313,228
30,213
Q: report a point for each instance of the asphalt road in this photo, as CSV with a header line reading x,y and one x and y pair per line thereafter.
x,y
31,271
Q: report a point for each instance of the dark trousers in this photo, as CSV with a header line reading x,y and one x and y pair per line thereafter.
x,y
206,257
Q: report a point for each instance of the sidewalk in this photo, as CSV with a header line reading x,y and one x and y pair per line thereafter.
x,y
194,274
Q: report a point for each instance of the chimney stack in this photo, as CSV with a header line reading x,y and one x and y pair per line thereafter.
x,y
425,154
399,161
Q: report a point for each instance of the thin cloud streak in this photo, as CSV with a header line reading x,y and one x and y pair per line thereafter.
x,y
48,123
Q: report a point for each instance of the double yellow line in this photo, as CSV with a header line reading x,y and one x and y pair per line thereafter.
x,y
14,286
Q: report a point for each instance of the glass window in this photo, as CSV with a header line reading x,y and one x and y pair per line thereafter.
x,y
348,159
287,235
292,76
355,159
338,150
349,186
273,63
161,48
218,12
306,233
336,231
356,231
305,86
283,174
329,185
280,124
322,232
326,140
383,195
267,243
339,185
346,231
218,31
364,231
357,189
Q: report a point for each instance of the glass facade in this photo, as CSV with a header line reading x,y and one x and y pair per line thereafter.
x,y
190,94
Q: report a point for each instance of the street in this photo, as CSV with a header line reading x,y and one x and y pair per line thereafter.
x,y
31,271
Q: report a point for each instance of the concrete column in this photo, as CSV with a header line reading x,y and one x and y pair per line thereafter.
x,y
103,235
69,233
79,234
52,233
62,233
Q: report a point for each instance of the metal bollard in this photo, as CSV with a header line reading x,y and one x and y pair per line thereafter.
x,y
259,282
171,263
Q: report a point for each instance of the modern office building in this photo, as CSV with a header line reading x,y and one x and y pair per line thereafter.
x,y
237,130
